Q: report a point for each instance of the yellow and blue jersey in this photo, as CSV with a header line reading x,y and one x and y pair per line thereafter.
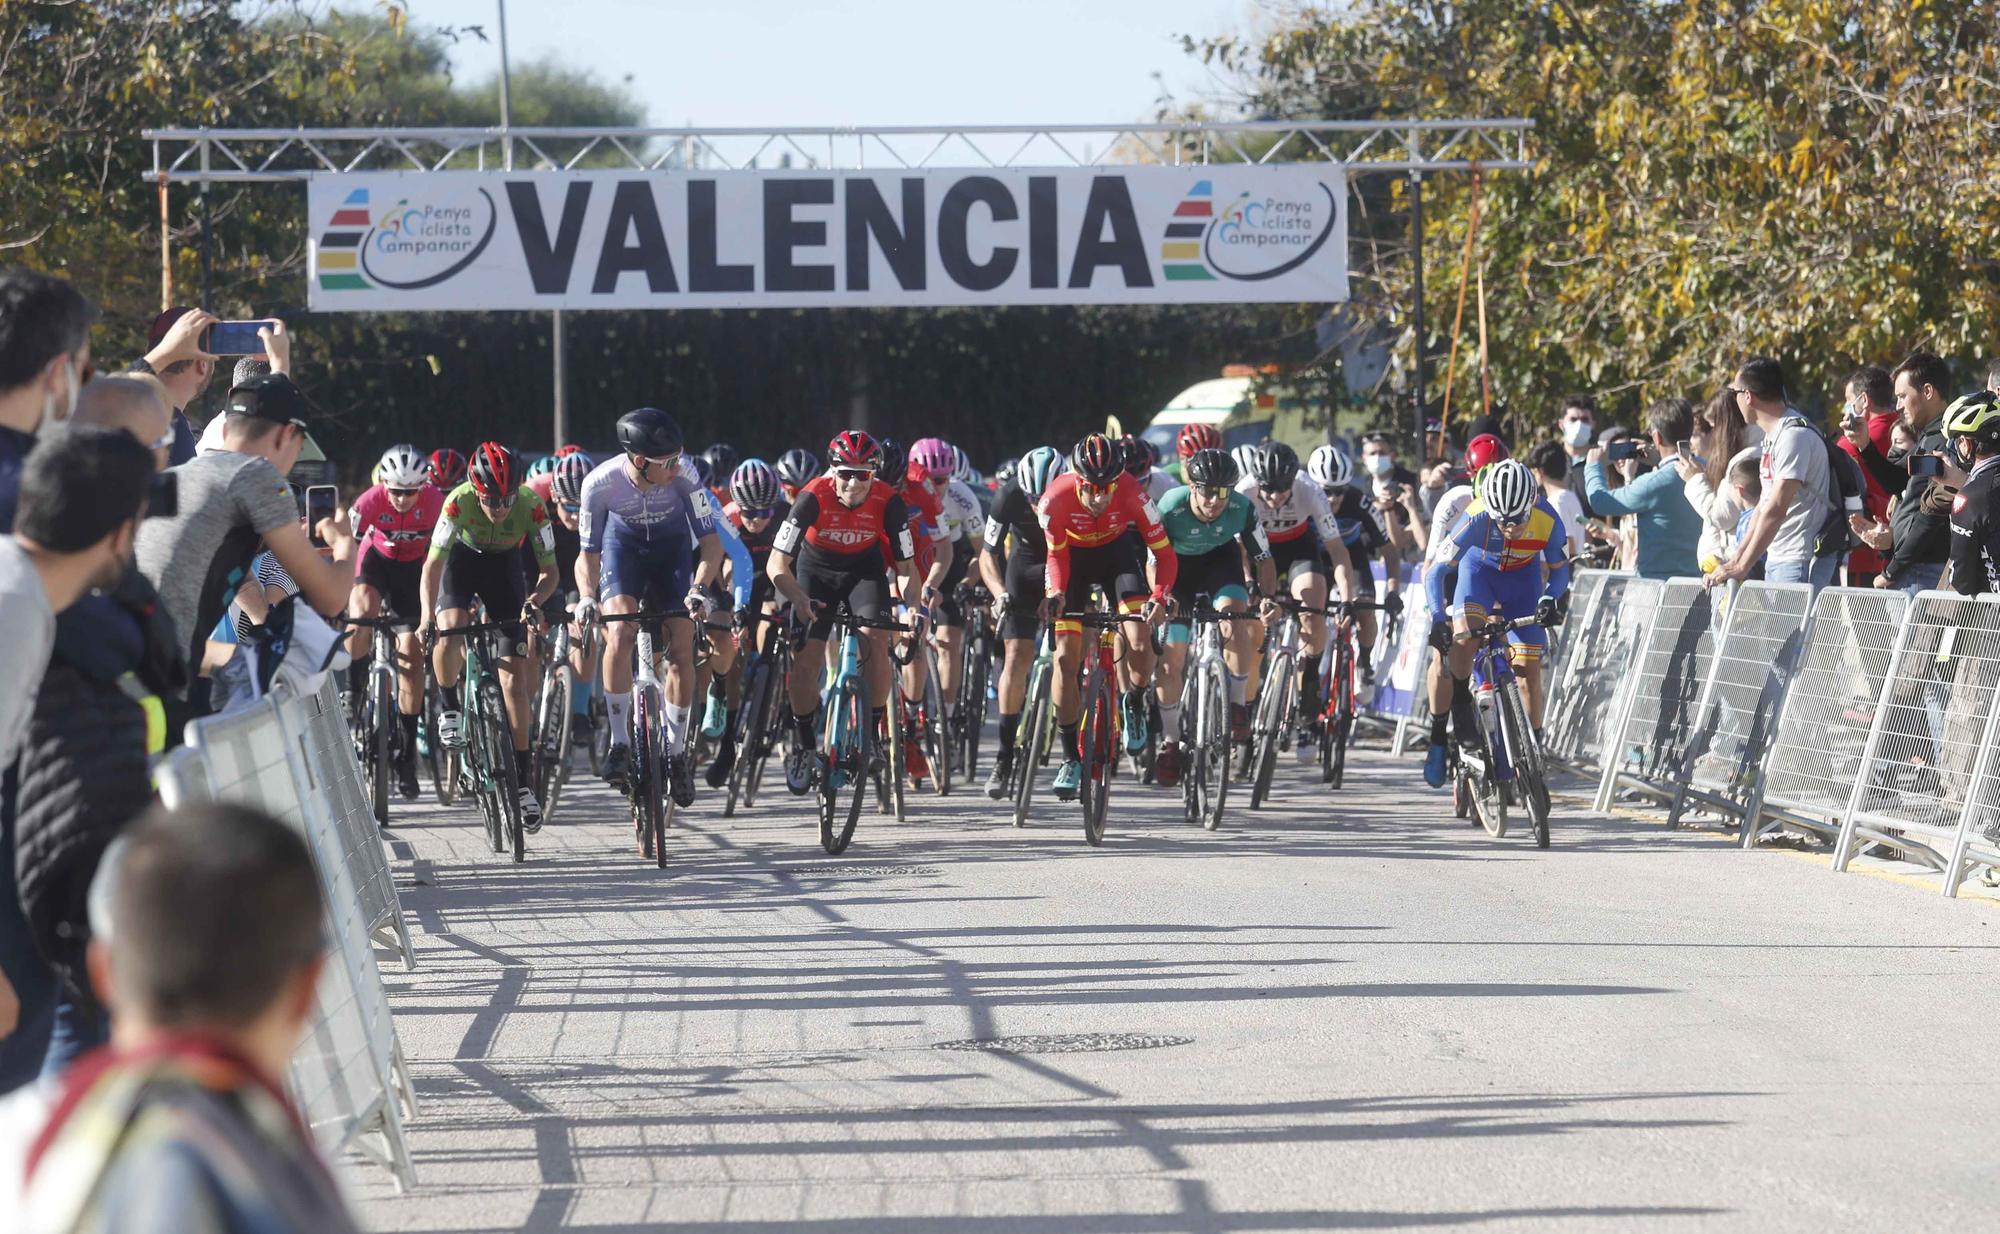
x,y
1479,547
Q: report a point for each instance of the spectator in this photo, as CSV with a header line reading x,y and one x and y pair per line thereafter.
x,y
1993,377
1866,422
210,963
231,501
1718,445
1920,527
1576,421
1550,463
1668,529
174,355
81,495
1378,459
1745,490
84,771
1393,489
1797,481
44,363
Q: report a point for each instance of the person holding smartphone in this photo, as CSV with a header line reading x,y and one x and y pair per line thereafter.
x,y
1668,529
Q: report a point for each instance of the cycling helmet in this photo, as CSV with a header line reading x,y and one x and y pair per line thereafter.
x,y
571,448
696,467
1138,456
1329,468
1246,457
649,433
1193,437
542,466
754,485
1036,468
963,471
447,468
1097,460
1508,491
931,457
895,463
1277,467
495,472
797,467
1210,468
722,458
1975,418
571,469
1482,450
854,448
402,467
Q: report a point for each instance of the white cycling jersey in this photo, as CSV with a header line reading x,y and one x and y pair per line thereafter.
x,y
1305,510
675,507
1158,484
962,518
1450,511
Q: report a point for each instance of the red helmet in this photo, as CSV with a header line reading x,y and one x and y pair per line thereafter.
x,y
1138,456
571,448
1481,450
447,468
1097,460
1195,437
495,471
854,448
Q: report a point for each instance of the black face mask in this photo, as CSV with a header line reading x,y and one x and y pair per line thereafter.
x,y
1897,455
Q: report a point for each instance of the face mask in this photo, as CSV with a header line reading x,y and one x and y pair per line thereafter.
x,y
49,400
1897,455
1381,464
1577,432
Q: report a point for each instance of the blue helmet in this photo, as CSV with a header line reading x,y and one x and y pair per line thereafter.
x,y
1037,467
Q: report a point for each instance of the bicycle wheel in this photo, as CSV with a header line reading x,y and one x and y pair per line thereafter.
x,y
972,699
848,751
1098,735
600,732
1215,748
899,723
1272,706
381,712
1489,796
1526,757
936,735
749,734
648,781
506,772
1032,746
552,739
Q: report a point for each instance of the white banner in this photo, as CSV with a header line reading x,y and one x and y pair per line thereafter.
x,y
788,239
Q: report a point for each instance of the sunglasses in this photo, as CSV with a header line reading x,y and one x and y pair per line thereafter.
x,y
1212,492
403,492
498,503
766,512
1086,489
572,507
852,475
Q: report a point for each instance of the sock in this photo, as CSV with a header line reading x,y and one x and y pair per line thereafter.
x,y
1439,723
1364,655
618,709
450,694
1465,717
1239,687
1170,722
1010,731
579,699
1308,677
409,724
802,725
677,727
1072,739
729,724
718,688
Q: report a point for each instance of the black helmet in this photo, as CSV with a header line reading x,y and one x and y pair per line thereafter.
x,y
1277,467
649,433
797,467
722,459
895,462
1138,458
1211,468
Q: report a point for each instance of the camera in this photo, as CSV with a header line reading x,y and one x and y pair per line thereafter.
x,y
1624,448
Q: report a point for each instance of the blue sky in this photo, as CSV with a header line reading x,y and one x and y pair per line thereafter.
x,y
862,62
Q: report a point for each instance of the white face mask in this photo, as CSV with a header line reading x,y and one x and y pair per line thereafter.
x,y
1380,464
49,400
1577,432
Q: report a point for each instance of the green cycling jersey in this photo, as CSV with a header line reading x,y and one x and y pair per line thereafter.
x,y
464,521
1192,537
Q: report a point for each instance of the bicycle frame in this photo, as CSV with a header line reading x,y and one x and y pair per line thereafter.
x,y
1492,670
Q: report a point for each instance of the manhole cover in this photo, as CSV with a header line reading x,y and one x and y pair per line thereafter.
x,y
861,871
1065,1043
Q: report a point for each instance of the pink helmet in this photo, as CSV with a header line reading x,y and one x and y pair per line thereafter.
x,y
933,456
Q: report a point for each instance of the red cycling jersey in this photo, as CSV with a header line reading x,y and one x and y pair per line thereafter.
x,y
818,521
399,536
1066,524
926,510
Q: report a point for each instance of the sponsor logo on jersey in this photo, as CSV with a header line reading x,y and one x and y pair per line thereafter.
x,y
849,535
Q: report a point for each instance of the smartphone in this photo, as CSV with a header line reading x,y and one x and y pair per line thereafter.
x,y
321,501
1686,449
235,338
1926,464
1619,451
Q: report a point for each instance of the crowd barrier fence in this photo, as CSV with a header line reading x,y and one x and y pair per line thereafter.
x,y
292,758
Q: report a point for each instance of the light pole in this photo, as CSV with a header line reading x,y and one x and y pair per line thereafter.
x,y
560,428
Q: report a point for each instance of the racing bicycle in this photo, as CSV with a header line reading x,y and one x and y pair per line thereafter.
x,y
1506,766
487,766
848,754
1204,734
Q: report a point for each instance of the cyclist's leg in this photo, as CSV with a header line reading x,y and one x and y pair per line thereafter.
x,y
1307,582
504,589
456,590
364,601
948,614
1020,626
867,594
680,677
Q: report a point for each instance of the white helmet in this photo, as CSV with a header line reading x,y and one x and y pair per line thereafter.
x,y
965,472
1329,468
1246,457
1507,490
403,467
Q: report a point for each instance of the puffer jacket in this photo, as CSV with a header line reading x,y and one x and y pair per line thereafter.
x,y
84,768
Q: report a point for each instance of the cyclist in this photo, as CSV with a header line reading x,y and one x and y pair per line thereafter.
x,y
1449,697
755,511
713,674
1193,437
797,468
447,469
1142,463
1014,562
933,562
1304,539
829,551
392,524
1217,541
722,460
1365,539
934,463
475,555
1509,551
649,540
566,512
1085,515
968,475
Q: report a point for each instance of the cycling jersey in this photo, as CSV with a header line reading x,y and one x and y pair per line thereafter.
x,y
1067,524
1014,511
463,521
1484,549
1191,537
819,523
1158,484
963,519
1305,510
1975,532
742,569
399,535
614,505
1358,528
1445,519
758,542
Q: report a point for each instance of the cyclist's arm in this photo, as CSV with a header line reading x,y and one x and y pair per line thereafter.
x,y
587,567
940,564
741,568
429,585
779,571
709,569
325,584
1556,555
545,584
1470,531
992,568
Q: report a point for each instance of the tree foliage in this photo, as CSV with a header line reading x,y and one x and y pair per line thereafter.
x,y
1714,178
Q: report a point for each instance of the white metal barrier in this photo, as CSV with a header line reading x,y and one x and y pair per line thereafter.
x,y
291,758
1651,730
1609,615
1762,636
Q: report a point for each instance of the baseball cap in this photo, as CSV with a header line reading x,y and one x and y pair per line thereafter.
x,y
269,396
165,322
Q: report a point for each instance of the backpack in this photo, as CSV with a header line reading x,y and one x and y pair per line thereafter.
x,y
1845,484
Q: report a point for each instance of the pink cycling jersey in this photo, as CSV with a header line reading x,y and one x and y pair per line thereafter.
x,y
381,528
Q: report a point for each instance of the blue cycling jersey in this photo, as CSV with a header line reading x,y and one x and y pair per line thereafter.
x,y
674,509
1479,546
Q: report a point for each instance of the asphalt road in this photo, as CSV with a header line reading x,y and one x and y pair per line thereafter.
x,y
1347,1011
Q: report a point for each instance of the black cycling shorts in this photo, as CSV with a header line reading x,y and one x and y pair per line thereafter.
x,y
400,584
858,579
494,579
1209,574
948,611
1298,557
1118,567
1027,578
